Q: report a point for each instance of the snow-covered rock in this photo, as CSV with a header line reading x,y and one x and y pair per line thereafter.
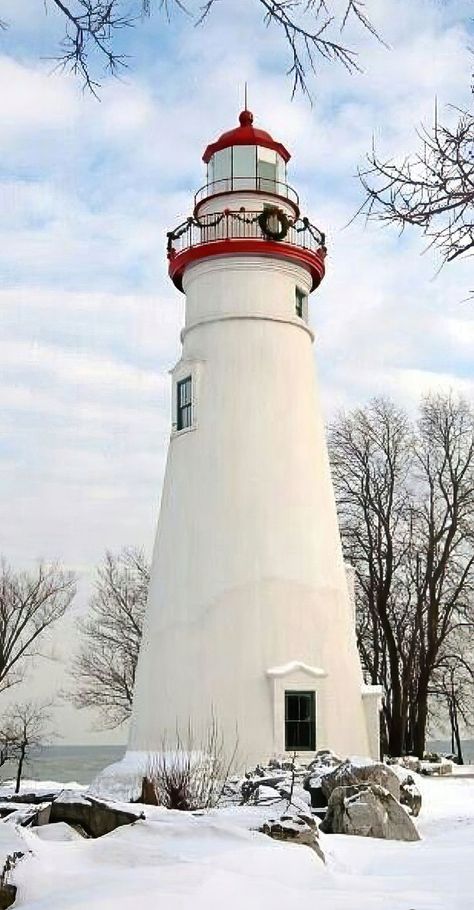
x,y
357,771
295,829
94,816
368,810
410,796
58,832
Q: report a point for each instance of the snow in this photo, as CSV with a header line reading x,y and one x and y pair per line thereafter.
x,y
203,861
293,667
39,787
58,831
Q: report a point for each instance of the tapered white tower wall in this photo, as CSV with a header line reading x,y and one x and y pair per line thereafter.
x,y
248,597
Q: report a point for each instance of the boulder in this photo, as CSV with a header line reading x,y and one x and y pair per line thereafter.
x,y
410,796
294,828
324,758
410,762
31,797
250,789
92,815
439,768
350,773
368,810
7,896
30,816
60,832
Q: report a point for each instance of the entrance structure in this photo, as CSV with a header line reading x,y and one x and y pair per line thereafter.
x,y
249,617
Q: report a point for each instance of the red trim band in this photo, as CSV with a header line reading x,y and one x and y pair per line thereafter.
x,y
312,261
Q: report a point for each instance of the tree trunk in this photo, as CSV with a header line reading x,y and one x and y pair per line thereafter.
x,y
451,721
396,730
459,755
20,769
419,732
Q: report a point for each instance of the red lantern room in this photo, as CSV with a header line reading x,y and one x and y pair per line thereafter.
x,y
246,207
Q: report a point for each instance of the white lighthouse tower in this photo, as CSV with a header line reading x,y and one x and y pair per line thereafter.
x,y
249,617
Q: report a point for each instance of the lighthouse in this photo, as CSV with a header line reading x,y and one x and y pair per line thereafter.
x,y
249,619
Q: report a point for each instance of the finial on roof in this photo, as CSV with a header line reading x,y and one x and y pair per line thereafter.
x,y
246,118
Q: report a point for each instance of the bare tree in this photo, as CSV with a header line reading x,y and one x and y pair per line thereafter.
x,y
442,559
432,189
24,728
406,504
30,604
104,669
452,697
371,458
311,28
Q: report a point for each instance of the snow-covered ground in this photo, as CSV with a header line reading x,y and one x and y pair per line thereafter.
x,y
179,861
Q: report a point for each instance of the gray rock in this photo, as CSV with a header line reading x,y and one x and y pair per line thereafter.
x,y
29,816
92,815
294,828
7,896
368,810
324,758
410,762
350,774
39,796
250,788
410,796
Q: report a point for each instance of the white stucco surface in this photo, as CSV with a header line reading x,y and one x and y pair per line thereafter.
x,y
248,574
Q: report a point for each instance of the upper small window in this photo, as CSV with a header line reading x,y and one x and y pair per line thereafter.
x,y
300,721
184,403
300,303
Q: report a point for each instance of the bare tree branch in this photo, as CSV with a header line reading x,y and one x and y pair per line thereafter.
x,y
30,603
432,189
311,29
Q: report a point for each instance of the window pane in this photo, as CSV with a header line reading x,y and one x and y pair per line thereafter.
x,y
268,155
244,160
292,712
300,721
184,403
281,169
305,707
222,168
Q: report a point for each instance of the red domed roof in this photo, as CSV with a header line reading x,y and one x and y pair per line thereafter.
x,y
245,134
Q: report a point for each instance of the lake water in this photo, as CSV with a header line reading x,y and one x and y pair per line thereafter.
x,y
83,763
67,763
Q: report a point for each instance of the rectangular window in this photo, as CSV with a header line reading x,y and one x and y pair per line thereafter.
x,y
300,303
266,170
184,403
300,721
243,167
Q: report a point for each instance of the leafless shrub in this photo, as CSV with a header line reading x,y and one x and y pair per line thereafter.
x,y
191,775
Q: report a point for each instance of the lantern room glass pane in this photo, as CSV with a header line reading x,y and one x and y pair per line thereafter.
x,y
244,167
281,170
221,170
266,170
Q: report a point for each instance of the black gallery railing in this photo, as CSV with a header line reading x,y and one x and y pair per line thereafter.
x,y
269,224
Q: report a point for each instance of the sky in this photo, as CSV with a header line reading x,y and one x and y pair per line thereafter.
x,y
89,320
